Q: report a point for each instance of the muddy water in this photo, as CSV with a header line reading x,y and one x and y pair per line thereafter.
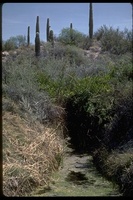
x,y
78,177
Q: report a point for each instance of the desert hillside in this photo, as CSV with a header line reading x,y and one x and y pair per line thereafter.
x,y
78,94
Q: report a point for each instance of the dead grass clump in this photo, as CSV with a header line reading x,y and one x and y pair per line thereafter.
x,y
30,154
117,166
118,163
120,168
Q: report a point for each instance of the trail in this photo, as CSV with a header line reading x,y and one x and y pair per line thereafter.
x,y
78,177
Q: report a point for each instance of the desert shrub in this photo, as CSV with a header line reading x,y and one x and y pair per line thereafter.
x,y
126,71
118,143
55,88
89,106
22,87
119,168
96,90
72,37
14,42
86,43
88,100
104,86
65,55
116,166
114,40
62,62
74,55
58,52
118,131
92,100
8,45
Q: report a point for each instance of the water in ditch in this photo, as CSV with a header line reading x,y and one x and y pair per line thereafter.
x,y
78,177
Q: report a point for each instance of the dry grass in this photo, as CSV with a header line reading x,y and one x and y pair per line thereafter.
x,y
119,163
30,154
117,166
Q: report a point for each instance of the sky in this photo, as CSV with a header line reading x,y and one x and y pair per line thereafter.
x,y
16,17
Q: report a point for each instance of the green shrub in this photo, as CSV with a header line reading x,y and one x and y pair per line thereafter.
x,y
74,55
22,87
9,45
89,99
114,40
14,42
66,54
95,89
71,37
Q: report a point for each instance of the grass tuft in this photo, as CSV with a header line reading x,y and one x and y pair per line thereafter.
x,y
30,154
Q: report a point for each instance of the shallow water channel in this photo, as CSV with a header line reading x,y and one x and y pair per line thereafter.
x,y
78,177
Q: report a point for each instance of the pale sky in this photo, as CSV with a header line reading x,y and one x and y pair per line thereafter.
x,y
16,17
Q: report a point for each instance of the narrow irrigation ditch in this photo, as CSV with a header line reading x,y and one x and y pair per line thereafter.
x,y
78,176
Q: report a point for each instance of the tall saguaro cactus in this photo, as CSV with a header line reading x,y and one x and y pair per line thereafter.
x,y
51,37
28,36
71,26
47,30
37,25
91,22
71,33
37,38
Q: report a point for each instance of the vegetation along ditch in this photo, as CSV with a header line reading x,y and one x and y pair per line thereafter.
x,y
67,115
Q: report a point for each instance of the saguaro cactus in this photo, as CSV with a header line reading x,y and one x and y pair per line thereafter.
x,y
37,24
91,22
71,33
37,38
47,30
51,37
28,36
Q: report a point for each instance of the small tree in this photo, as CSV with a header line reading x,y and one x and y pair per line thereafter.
x,y
14,42
91,22
37,38
21,40
9,45
28,36
76,38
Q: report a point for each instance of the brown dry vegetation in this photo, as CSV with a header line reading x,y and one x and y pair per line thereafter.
x,y
117,167
30,153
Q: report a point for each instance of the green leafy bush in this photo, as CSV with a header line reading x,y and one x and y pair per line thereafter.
x,y
14,42
114,40
96,90
73,37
